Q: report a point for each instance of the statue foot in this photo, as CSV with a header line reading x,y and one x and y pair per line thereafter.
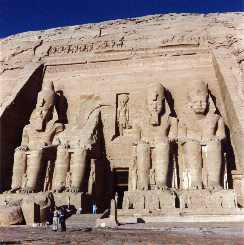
x,y
196,187
14,190
27,190
162,187
59,189
74,189
143,188
215,187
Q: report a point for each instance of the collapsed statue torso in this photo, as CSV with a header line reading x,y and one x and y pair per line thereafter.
x,y
72,154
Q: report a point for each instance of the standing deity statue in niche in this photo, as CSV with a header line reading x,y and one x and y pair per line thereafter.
x,y
75,143
155,130
201,131
123,113
37,138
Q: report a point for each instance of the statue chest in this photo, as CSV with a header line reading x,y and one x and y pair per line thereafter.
x,y
154,134
37,139
40,138
71,138
204,129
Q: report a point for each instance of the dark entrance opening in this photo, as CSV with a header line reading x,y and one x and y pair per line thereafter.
x,y
120,184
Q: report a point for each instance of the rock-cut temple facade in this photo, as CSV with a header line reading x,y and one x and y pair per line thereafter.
x,y
148,112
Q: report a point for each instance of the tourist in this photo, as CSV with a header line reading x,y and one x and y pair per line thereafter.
x,y
94,208
55,219
62,220
80,210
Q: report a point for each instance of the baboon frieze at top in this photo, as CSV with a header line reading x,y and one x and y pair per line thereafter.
x,y
147,112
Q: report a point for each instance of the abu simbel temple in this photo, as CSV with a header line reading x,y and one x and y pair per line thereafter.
x,y
142,115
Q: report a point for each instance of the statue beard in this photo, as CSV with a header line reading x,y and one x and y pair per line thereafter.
x,y
155,118
198,110
39,125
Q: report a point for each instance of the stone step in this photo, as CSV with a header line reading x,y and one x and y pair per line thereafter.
x,y
82,220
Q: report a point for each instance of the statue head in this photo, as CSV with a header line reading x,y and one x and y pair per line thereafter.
x,y
124,98
198,97
44,107
155,102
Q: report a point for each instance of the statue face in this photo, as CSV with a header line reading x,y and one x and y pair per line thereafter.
x,y
155,103
198,98
198,104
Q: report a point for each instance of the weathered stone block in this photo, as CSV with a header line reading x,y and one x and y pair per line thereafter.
x,y
11,215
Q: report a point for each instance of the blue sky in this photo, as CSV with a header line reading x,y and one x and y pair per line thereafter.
x,y
25,15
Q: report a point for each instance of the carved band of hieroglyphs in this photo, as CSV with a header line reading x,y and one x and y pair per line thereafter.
x,y
180,41
86,47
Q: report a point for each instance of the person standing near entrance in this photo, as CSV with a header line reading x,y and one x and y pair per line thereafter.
x,y
94,208
55,220
62,220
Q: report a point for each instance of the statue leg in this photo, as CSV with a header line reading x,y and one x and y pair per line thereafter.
x,y
78,169
19,169
133,181
214,164
121,128
61,169
161,164
193,159
33,170
143,165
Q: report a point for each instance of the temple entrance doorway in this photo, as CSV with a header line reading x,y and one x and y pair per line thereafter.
x,y
120,183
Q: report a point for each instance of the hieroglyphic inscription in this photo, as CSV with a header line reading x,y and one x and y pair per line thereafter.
x,y
181,40
86,47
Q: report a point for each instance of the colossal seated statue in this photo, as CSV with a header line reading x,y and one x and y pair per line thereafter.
x,y
37,137
155,130
201,131
75,142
